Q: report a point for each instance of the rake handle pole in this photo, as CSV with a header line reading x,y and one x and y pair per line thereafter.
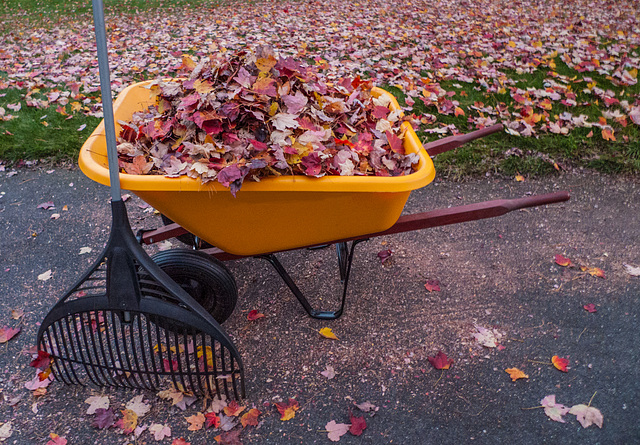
x,y
107,101
453,142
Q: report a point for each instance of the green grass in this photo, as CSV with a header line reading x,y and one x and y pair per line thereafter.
x,y
577,149
41,133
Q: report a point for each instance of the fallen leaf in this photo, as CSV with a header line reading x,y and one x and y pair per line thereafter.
x,y
229,438
84,250
554,410
519,178
562,261
8,333
37,383
336,430
487,337
328,333
105,418
160,431
254,315
358,424
128,422
227,423
218,405
138,406
560,363
587,415
440,361
385,255
45,205
180,441
233,409
250,418
516,374
366,407
632,270
97,402
56,440
213,420
590,308
5,431
288,410
329,372
432,285
178,398
54,216
44,276
196,421
16,314
593,271
42,361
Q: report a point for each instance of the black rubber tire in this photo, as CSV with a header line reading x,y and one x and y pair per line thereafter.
x,y
188,238
205,278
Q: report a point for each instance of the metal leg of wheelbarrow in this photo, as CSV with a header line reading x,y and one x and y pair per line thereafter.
x,y
345,271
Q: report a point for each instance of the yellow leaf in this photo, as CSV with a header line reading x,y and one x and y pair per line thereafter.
x,y
607,134
328,333
265,64
516,374
129,421
519,178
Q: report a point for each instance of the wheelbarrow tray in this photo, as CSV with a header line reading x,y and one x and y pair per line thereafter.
x,y
277,213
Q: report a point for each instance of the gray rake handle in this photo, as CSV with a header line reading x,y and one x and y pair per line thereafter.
x,y
107,100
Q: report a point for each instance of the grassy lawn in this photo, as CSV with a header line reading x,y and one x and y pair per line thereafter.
x,y
610,143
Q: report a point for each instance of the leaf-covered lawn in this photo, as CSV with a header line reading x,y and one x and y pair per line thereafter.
x,y
562,76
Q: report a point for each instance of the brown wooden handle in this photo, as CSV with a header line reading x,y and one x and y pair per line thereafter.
x,y
453,142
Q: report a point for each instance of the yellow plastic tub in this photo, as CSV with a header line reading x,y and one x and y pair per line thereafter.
x,y
277,213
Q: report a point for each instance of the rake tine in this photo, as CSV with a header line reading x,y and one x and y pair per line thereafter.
x,y
223,370
214,364
58,368
146,374
102,339
168,369
132,377
118,365
105,375
197,364
233,377
87,362
66,351
133,370
185,337
152,356
178,359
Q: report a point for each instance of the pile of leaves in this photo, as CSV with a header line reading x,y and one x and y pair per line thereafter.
x,y
254,115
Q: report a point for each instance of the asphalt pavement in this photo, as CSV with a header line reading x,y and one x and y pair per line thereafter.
x,y
497,274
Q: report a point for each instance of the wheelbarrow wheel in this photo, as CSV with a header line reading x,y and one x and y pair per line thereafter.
x,y
205,278
188,238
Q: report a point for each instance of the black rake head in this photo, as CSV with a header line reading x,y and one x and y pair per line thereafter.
x,y
125,323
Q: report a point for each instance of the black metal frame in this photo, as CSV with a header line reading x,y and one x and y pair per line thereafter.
x,y
344,265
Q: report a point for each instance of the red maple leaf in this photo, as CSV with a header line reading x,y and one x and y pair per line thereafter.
x,y
358,424
440,361
42,361
590,308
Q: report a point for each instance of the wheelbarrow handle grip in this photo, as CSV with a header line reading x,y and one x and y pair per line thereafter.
x,y
453,142
537,200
